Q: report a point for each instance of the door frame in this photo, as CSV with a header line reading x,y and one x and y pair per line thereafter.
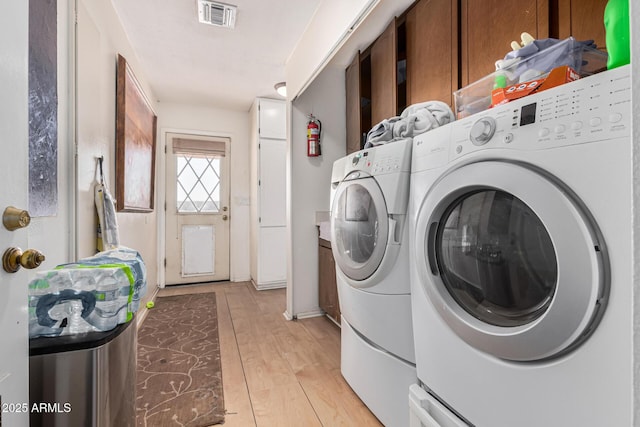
x,y
162,196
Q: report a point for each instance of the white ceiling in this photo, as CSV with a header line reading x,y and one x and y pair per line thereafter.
x,y
188,62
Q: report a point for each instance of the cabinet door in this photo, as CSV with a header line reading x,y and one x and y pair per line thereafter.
x,y
272,257
432,51
273,119
272,190
383,75
352,81
327,286
489,26
582,19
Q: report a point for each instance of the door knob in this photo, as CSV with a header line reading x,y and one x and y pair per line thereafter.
x,y
14,218
224,208
225,217
14,258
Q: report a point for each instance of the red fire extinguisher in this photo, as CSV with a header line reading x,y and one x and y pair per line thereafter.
x,y
314,127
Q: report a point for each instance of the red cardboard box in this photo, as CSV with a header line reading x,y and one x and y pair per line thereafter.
x,y
556,77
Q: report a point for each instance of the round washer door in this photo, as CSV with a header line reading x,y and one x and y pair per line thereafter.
x,y
510,261
359,227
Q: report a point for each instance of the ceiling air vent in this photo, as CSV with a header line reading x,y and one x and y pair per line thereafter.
x,y
220,14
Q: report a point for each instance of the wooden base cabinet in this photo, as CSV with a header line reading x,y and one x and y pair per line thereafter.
x,y
327,286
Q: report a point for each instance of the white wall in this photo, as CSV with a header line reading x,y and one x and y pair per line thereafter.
x,y
337,31
328,28
309,183
234,124
100,37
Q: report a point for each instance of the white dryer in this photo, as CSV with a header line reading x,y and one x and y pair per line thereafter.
x,y
522,259
370,243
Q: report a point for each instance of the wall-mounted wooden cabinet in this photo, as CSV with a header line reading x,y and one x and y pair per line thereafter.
x,y
439,46
371,88
354,129
431,29
383,75
582,19
488,27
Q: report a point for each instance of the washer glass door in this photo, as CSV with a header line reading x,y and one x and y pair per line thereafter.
x,y
496,258
511,260
359,227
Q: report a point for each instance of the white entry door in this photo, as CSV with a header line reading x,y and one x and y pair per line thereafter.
x,y
49,230
197,209
14,350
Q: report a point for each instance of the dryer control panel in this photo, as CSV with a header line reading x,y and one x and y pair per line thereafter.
x,y
392,157
591,109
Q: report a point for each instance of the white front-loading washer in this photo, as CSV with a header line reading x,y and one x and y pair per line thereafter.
x,y
521,262
370,244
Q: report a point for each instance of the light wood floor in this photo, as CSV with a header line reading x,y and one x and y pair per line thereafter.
x,y
277,372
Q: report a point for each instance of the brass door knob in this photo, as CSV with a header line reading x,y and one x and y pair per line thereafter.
x,y
14,258
14,218
225,217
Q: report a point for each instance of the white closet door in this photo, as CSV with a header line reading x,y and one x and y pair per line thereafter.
x,y
272,190
273,251
273,119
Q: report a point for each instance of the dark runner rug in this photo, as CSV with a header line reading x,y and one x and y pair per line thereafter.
x,y
179,372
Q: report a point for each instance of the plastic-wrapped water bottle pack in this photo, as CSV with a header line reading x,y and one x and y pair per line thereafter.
x,y
93,294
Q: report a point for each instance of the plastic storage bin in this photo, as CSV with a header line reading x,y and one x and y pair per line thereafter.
x,y
584,60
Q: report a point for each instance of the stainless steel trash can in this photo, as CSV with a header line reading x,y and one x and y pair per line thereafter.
x,y
85,379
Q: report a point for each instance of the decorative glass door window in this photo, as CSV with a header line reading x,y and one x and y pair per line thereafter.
x,y
198,184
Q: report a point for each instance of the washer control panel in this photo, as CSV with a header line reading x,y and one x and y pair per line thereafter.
x,y
482,130
392,157
586,110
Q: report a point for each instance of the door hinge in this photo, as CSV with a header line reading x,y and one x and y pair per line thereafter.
x,y
165,262
259,183
165,206
165,149
259,219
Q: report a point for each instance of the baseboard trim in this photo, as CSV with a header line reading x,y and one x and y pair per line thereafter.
x,y
272,285
306,315
143,310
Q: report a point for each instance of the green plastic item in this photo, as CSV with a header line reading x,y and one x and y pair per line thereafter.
x,y
616,24
500,81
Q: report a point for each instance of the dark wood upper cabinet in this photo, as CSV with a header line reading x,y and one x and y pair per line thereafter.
x,y
383,75
488,27
439,46
582,19
431,28
352,80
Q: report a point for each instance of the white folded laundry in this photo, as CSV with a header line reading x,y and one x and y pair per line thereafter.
x,y
414,120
